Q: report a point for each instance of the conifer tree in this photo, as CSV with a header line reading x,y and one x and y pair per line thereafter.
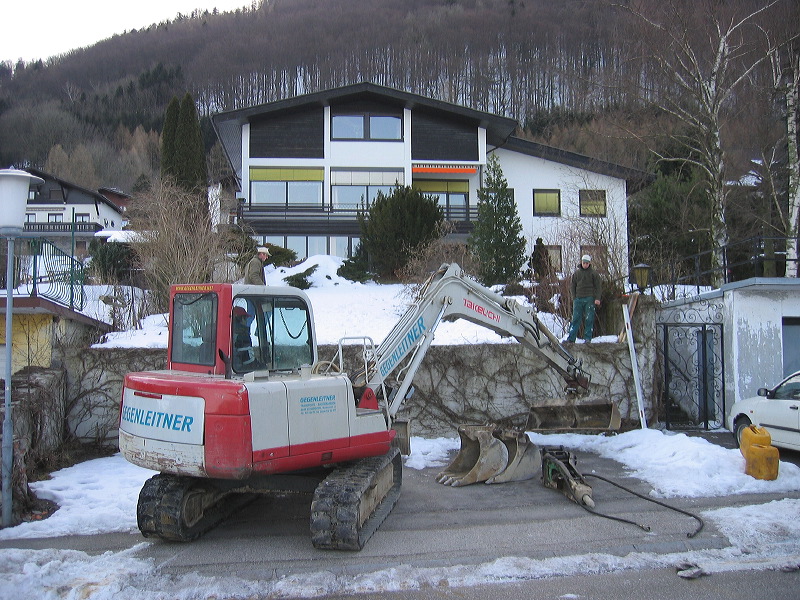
x,y
395,225
190,159
497,239
168,135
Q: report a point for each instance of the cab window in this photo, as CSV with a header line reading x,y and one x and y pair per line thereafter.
x,y
272,333
194,329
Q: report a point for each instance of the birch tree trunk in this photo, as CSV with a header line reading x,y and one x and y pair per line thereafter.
x,y
792,94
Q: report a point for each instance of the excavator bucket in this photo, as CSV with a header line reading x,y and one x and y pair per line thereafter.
x,y
481,456
524,458
492,455
574,417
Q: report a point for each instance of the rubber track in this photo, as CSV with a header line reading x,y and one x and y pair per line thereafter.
x,y
335,507
158,512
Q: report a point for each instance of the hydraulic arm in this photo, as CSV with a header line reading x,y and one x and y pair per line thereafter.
x,y
449,294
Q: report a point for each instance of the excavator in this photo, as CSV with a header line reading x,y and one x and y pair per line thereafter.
x,y
245,406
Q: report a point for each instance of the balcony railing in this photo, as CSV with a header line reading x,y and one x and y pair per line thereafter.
x,y
342,212
45,228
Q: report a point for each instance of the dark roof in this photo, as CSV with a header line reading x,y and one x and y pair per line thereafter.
x,y
228,124
635,178
95,196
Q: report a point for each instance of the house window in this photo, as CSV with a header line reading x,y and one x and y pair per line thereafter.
x,y
353,197
83,218
366,126
55,218
599,256
452,196
546,203
352,189
554,253
30,217
286,188
340,246
593,203
317,245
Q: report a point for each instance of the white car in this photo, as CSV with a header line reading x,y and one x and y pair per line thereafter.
x,y
776,409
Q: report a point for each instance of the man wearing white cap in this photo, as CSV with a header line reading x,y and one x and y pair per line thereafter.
x,y
586,289
254,270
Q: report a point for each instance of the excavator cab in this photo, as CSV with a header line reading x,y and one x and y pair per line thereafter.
x,y
256,329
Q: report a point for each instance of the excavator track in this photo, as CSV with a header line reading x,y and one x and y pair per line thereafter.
x,y
180,509
352,502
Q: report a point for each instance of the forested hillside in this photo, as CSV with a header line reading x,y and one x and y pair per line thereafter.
x,y
600,78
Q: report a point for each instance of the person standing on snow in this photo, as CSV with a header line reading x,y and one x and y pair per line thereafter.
x,y
254,270
586,289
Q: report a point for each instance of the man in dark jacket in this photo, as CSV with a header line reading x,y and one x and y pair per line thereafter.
x,y
586,289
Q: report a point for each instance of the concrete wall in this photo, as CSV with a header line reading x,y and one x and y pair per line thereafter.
x,y
752,314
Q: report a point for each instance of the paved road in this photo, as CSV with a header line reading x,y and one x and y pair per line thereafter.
x,y
437,526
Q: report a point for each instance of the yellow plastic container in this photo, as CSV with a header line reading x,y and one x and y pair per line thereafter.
x,y
762,462
754,435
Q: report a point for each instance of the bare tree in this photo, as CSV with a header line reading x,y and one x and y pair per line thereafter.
x,y
175,242
785,63
703,54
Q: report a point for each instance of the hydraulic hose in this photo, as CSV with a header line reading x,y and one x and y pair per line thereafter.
x,y
643,497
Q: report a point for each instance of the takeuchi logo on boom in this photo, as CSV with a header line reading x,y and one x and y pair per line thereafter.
x,y
481,310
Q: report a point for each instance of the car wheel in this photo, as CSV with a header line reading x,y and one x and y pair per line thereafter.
x,y
741,424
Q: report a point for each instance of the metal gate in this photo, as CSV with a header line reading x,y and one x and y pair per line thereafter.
x,y
694,367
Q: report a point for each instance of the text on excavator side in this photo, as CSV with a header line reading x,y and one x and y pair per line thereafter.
x,y
481,310
407,342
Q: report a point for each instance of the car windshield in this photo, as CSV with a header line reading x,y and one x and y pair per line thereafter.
x,y
789,389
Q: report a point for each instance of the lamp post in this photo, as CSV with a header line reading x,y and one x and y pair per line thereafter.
x,y
641,273
14,186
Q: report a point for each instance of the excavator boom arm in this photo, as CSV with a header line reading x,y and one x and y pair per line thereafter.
x,y
449,294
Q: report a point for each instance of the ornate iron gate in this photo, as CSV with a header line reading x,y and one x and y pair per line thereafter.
x,y
694,365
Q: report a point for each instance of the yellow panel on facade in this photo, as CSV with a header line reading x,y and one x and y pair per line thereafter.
x,y
428,185
284,174
32,340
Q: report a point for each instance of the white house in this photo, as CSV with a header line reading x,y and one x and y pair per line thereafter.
x,y
65,213
305,166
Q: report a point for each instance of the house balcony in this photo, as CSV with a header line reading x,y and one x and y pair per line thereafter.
x,y
61,229
339,220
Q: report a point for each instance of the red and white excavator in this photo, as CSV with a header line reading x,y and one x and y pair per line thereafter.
x,y
245,406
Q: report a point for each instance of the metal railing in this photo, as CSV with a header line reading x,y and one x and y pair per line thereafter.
x,y
753,257
48,272
68,227
340,212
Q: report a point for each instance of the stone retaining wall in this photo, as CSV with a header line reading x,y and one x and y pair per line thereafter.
x,y
455,384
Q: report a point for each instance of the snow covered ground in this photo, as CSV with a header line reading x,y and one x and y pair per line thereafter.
x,y
100,495
342,308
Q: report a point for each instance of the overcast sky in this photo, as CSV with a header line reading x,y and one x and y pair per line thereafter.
x,y
43,28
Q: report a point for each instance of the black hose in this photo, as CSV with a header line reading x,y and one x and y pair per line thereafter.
x,y
643,497
579,501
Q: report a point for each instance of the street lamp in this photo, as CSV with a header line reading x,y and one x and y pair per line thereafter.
x,y
14,186
641,273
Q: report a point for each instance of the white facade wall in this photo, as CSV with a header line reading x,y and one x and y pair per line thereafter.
x,y
99,213
526,173
754,313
